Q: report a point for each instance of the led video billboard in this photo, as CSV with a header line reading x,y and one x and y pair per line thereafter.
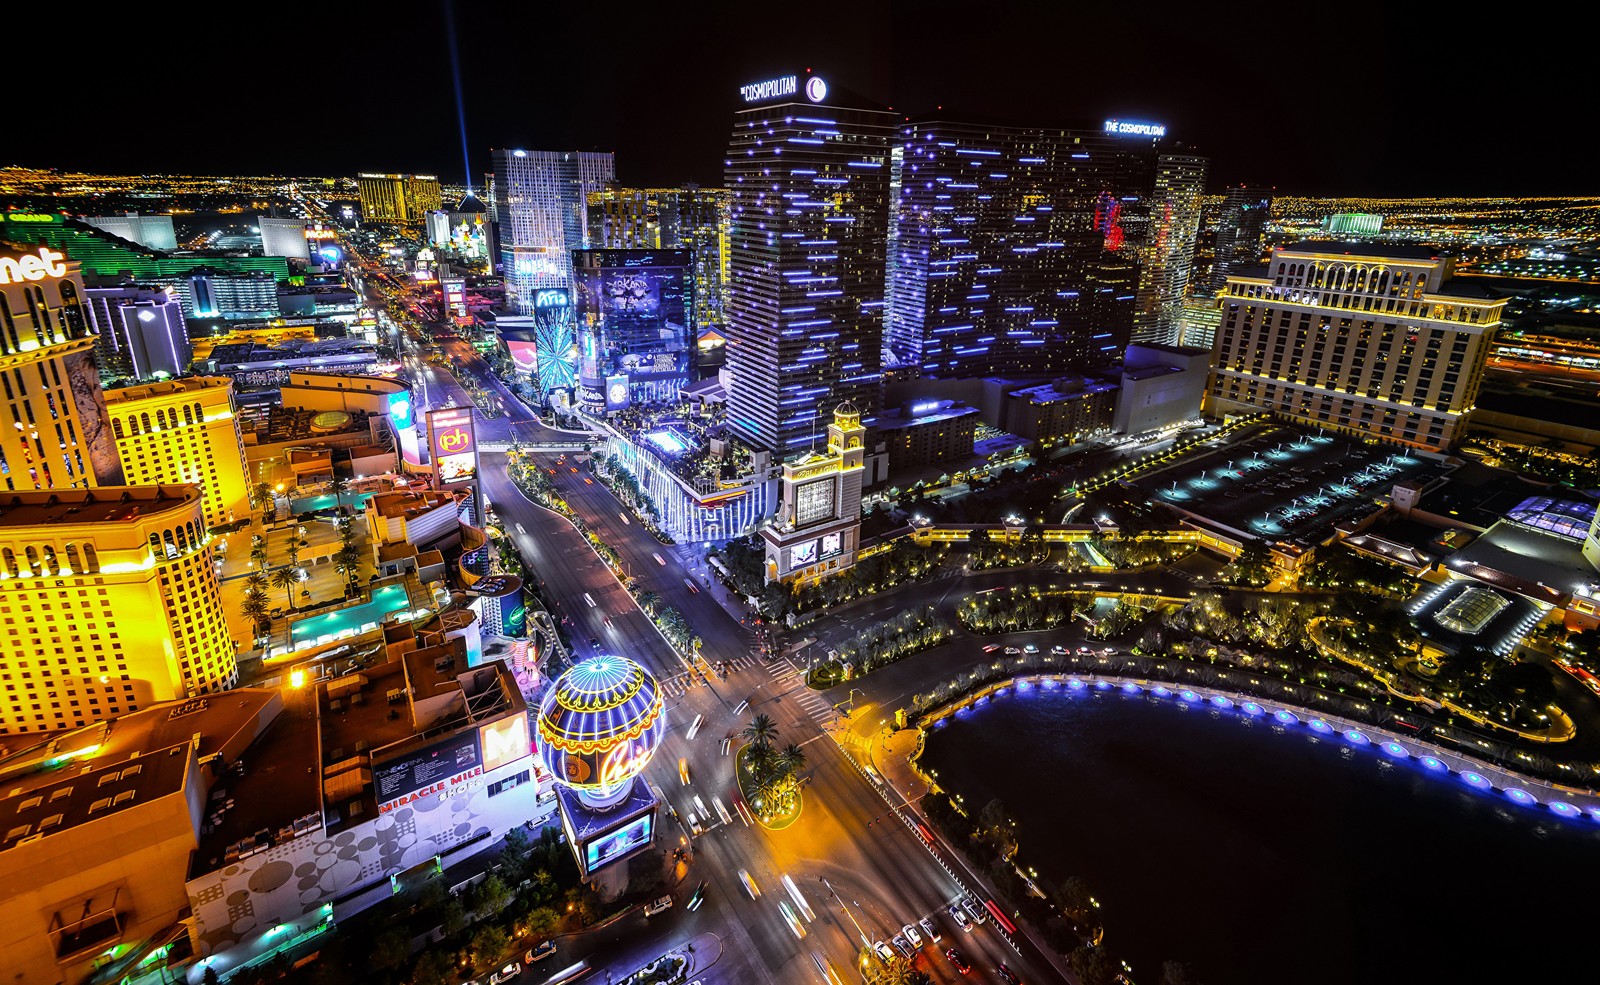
x,y
616,843
640,304
832,545
454,443
423,772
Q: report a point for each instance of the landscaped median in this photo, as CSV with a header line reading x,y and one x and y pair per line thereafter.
x,y
769,777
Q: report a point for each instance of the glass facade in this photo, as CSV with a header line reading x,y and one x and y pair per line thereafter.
x,y
1241,231
1012,248
634,308
689,218
541,201
810,186
1173,227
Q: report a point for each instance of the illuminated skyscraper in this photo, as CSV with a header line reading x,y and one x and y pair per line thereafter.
x,y
1241,231
542,206
688,218
54,433
810,183
1377,340
116,590
1010,248
141,331
397,198
1168,255
184,431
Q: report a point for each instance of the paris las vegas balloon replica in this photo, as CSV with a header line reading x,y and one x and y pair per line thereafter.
x,y
599,724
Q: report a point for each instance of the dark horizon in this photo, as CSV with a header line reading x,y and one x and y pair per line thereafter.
x,y
371,90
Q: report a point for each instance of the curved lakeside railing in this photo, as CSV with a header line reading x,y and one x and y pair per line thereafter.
x,y
1570,802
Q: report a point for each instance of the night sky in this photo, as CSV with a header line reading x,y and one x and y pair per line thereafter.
x,y
1320,99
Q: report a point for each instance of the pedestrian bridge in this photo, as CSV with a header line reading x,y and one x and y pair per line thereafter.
x,y
571,444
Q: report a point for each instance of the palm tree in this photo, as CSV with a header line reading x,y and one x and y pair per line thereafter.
x,y
286,578
254,607
262,494
792,760
762,732
340,485
255,582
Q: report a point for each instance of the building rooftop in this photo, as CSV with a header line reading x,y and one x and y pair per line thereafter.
x,y
1544,565
408,504
1479,495
88,507
1335,247
164,388
1059,390
98,770
893,422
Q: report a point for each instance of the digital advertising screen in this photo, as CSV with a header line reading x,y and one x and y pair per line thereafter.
x,y
505,741
803,554
426,771
641,304
454,444
613,845
813,502
524,356
616,393
832,545
454,290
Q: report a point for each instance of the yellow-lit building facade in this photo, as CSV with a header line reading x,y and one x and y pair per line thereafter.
x,y
108,602
398,198
690,218
53,432
1374,340
184,431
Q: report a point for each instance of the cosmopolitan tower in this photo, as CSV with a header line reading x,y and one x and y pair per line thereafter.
x,y
809,174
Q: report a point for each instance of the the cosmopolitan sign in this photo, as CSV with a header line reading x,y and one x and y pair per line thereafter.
x,y
787,85
14,270
1135,129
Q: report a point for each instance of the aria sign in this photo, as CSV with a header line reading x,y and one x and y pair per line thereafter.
x,y
48,263
1135,129
787,85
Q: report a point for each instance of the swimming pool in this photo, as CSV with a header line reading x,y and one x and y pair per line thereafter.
x,y
328,626
328,501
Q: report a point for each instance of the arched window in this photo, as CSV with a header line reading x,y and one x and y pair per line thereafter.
x,y
8,561
74,561
72,310
144,422
33,561
8,341
52,565
199,415
116,426
183,541
91,559
172,546
188,414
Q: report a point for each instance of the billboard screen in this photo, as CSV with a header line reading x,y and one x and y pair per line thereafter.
x,y
614,844
616,393
641,304
832,545
813,502
503,742
454,444
455,296
524,356
803,554
426,771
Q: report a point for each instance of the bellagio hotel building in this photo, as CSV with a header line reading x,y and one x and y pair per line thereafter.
x,y
1376,340
108,593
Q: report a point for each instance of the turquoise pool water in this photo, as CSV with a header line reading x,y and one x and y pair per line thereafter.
x,y
327,501
328,626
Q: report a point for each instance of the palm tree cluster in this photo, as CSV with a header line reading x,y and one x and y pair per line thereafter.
x,y
910,631
1009,612
773,782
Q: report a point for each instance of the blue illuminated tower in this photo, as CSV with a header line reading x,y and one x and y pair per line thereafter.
x,y
810,181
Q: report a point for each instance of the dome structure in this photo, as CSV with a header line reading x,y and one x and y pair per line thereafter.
x,y
598,726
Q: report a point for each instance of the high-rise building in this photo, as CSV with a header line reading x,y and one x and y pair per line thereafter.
x,y
1241,231
54,432
542,210
1010,247
184,431
1353,224
116,590
153,232
207,292
140,331
102,255
810,181
1375,340
1172,229
403,199
689,218
283,237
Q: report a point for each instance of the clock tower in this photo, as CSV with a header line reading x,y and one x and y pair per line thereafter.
x,y
817,530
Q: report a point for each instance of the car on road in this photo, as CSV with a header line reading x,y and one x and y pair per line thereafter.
x,y
540,951
912,935
882,951
1059,650
991,648
588,481
974,910
1084,651
1031,649
1108,651
683,770
959,960
1013,651
960,917
1007,975
793,921
655,906
659,560
698,897
749,884
931,929
508,973
901,945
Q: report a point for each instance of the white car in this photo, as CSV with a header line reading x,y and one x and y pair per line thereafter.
x,y
749,884
1059,650
1030,649
506,974
929,928
1013,651
882,951
960,917
912,935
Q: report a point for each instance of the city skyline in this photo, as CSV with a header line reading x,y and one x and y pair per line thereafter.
x,y
1270,104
